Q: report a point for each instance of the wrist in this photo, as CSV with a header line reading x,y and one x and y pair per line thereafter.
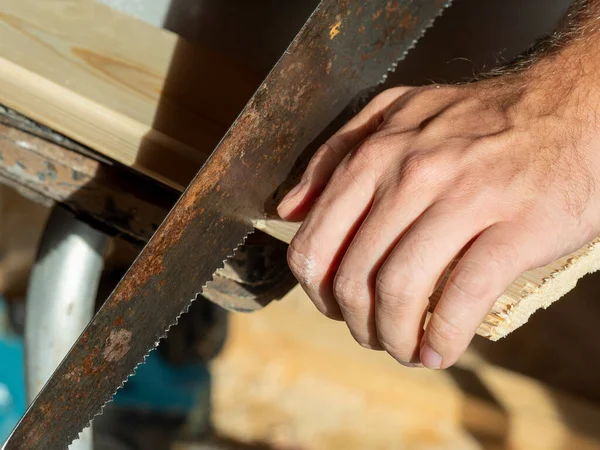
x,y
565,83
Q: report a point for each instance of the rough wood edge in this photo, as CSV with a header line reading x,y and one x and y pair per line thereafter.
x,y
537,289
279,229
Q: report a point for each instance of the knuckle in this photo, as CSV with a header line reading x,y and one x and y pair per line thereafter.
x,y
389,301
502,255
394,98
295,259
367,159
470,283
350,294
442,333
390,94
302,263
475,280
368,153
436,127
394,291
419,168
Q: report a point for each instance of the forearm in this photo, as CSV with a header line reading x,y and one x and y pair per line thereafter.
x,y
579,25
559,73
575,40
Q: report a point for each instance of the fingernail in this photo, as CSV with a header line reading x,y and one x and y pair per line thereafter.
x,y
430,358
286,205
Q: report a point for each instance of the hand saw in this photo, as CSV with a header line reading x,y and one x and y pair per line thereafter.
x,y
345,47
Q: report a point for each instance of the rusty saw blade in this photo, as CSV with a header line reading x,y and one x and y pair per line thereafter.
x,y
345,47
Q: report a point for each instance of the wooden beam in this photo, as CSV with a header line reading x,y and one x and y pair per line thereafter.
x,y
129,205
111,197
136,93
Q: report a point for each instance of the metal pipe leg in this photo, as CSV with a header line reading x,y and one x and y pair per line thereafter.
x,y
60,298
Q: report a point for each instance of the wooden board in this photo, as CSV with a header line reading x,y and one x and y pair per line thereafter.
x,y
290,378
133,92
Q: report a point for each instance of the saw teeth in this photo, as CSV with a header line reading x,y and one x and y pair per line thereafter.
x,y
391,69
165,334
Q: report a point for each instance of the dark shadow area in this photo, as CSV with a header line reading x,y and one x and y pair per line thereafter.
x,y
254,33
482,416
559,346
473,36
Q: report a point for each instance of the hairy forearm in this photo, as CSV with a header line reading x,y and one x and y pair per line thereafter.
x,y
575,41
559,74
567,67
579,25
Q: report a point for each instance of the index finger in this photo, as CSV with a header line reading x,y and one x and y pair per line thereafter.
x,y
296,204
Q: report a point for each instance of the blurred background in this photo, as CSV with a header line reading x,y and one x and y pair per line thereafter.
x,y
287,378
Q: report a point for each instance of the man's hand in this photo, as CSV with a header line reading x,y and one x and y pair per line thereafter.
x,y
500,175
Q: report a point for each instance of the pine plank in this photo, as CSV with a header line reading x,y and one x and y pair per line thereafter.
x,y
136,93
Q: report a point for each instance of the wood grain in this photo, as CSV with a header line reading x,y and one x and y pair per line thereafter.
x,y
133,92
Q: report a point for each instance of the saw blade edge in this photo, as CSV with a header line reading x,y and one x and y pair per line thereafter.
x,y
164,335
389,70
